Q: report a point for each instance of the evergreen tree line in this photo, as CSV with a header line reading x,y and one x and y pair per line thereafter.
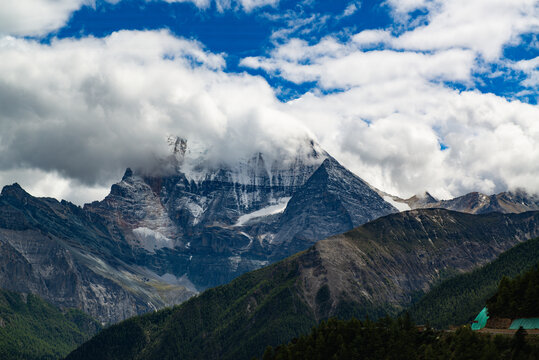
x,y
399,339
457,300
517,297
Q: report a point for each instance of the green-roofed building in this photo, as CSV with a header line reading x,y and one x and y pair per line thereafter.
x,y
527,324
481,320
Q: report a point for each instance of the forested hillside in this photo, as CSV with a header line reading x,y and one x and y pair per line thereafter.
x,y
399,339
31,328
517,297
457,300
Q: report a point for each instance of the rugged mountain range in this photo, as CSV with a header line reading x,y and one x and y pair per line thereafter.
x,y
158,240
372,270
204,226
162,236
473,203
73,259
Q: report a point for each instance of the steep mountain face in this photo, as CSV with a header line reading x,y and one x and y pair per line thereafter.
x,y
73,259
157,240
204,225
372,270
332,201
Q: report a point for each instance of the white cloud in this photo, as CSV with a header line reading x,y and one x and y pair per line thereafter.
x,y
222,5
86,109
389,133
35,17
393,111
483,26
530,68
336,65
351,9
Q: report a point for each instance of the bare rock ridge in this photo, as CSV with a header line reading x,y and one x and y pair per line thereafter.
x,y
373,270
473,203
157,240
70,258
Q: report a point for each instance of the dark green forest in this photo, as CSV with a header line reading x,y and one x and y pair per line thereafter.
x,y
458,300
400,339
517,297
31,328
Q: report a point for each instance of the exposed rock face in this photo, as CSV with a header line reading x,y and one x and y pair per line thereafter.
x,y
72,259
332,201
372,270
157,240
209,225
383,263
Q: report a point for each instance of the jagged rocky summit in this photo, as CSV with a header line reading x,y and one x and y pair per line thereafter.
x,y
209,224
160,237
506,202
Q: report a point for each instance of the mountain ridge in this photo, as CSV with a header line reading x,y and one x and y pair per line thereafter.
x,y
351,274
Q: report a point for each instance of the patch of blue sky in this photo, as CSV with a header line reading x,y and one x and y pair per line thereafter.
x,y
526,48
240,34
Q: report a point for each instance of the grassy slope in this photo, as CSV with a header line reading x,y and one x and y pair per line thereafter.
x,y
31,328
458,300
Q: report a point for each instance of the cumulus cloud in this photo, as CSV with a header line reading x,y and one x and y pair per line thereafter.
x,y
85,109
35,17
390,116
483,26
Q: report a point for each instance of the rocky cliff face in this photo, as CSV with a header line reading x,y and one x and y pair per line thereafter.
x,y
372,270
157,240
207,224
73,259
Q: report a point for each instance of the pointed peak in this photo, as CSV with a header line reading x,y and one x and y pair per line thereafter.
x,y
429,198
13,190
128,173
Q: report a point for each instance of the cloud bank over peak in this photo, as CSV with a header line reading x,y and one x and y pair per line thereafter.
x,y
85,109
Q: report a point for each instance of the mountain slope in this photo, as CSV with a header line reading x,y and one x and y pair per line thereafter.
x,y
74,260
31,328
456,301
371,270
206,224
332,201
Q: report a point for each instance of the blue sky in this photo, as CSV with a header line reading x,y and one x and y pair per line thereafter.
x,y
411,95
240,34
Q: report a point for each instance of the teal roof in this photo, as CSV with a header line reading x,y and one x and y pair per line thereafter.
x,y
481,320
528,324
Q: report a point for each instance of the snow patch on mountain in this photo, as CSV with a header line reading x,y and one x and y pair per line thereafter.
x,y
152,240
398,205
278,207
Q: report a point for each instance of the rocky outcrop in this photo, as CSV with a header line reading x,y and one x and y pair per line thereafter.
x,y
209,223
74,260
372,270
